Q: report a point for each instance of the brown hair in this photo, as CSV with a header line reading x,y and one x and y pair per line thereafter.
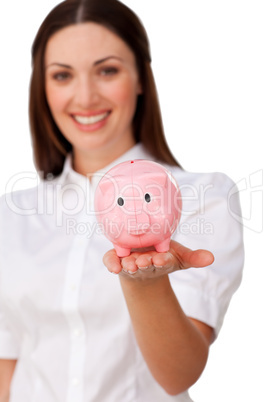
x,y
49,144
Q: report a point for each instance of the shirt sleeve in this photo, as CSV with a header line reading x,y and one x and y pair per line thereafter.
x,y
9,348
209,221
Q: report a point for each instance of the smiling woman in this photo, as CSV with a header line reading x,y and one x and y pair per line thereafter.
x,y
124,30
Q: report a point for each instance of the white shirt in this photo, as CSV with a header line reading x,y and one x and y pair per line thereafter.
x,y
63,315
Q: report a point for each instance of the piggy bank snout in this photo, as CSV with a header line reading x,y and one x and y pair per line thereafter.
x,y
137,224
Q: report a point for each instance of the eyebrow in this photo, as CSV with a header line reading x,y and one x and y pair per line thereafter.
x,y
58,65
95,63
107,58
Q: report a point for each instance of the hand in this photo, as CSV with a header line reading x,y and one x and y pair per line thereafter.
x,y
144,264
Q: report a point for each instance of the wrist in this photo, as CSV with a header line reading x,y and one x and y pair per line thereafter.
x,y
158,284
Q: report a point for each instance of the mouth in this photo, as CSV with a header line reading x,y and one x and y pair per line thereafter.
x,y
90,120
136,232
139,229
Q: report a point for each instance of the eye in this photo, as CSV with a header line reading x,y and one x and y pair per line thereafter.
x,y
120,201
147,197
108,71
62,76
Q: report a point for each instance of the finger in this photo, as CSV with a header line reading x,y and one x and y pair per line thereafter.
x,y
147,272
144,261
188,258
201,258
112,261
129,263
163,260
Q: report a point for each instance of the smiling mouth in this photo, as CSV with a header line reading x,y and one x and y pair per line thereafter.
x,y
88,120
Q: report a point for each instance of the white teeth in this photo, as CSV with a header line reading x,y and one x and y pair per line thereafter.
x,y
86,120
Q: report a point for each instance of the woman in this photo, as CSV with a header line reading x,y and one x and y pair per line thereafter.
x,y
70,331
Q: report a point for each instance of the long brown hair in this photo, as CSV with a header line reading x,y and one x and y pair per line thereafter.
x,y
49,144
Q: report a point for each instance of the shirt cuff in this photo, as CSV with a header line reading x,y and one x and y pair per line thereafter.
x,y
200,306
8,350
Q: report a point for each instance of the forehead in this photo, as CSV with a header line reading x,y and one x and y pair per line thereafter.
x,y
89,41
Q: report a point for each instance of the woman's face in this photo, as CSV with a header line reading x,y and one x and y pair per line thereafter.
x,y
91,86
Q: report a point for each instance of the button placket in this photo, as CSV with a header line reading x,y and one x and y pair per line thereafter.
x,y
70,307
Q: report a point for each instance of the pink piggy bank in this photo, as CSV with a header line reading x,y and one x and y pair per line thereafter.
x,y
138,204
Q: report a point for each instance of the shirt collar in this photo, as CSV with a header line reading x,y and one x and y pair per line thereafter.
x,y
69,175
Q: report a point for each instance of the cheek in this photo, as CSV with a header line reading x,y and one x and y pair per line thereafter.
x,y
124,93
57,99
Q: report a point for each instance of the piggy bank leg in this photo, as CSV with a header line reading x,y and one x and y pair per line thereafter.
x,y
121,251
162,247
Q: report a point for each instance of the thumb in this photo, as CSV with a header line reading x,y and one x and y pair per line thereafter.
x,y
192,258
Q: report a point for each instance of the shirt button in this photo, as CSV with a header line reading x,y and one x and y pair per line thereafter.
x,y
75,382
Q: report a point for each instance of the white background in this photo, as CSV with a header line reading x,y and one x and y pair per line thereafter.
x,y
210,63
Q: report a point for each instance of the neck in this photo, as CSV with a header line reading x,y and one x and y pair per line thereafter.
x,y
89,162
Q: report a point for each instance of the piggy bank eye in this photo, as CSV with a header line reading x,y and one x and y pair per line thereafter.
x,y
120,201
147,197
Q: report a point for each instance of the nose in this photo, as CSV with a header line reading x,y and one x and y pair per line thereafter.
x,y
86,93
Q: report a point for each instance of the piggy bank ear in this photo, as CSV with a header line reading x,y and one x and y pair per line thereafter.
x,y
155,177
110,183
